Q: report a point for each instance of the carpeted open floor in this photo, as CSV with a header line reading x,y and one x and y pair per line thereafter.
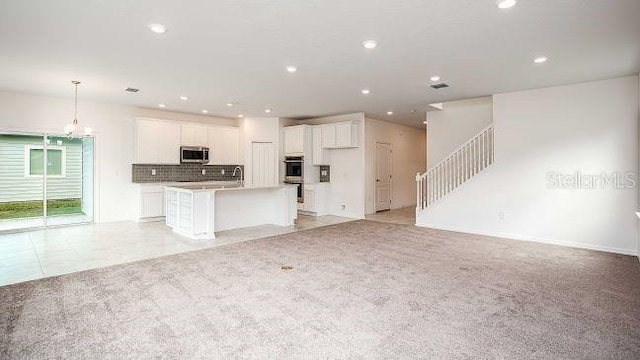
x,y
364,289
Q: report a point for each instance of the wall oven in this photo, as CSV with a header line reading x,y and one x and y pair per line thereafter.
x,y
194,154
294,169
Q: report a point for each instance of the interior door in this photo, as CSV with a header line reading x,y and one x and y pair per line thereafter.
x,y
263,164
383,176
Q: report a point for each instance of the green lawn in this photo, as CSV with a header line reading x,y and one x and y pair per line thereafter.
x,y
27,209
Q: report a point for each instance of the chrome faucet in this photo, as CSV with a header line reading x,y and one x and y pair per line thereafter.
x,y
241,175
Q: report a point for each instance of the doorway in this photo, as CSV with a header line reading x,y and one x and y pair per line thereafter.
x,y
383,176
263,164
45,180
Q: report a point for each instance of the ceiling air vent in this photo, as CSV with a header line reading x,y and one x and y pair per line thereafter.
x,y
130,89
440,86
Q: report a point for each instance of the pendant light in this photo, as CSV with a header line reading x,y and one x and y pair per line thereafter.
x,y
71,130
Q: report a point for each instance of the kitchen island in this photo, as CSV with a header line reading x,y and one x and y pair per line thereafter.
x,y
199,211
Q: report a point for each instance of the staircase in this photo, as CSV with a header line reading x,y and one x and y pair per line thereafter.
x,y
461,165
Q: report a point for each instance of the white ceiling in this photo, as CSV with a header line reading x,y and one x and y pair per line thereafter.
x,y
218,51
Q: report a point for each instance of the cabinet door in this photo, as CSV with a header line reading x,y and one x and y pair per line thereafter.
x,y
344,135
294,140
146,142
317,146
329,136
194,135
224,145
168,143
152,205
309,200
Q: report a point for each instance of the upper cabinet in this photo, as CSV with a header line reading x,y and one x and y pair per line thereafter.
x,y
298,140
320,155
343,135
157,142
224,145
194,135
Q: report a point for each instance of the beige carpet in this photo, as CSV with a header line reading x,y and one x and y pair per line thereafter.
x,y
364,290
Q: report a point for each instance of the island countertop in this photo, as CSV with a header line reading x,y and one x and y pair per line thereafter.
x,y
225,187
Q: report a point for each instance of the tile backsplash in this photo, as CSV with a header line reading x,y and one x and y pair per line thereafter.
x,y
325,173
143,173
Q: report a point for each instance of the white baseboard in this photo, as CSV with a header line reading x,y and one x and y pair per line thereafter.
x,y
535,239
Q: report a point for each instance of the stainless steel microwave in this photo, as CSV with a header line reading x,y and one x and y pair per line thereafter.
x,y
194,154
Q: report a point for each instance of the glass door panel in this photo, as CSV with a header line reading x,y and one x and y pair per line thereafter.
x,y
21,181
69,180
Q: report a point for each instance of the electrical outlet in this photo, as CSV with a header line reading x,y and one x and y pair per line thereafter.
x,y
204,171
153,172
501,215
222,172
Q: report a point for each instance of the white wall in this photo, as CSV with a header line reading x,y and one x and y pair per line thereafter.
x,y
113,127
347,171
590,127
456,124
259,129
408,158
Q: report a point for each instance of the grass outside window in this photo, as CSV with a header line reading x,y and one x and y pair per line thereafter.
x,y
29,209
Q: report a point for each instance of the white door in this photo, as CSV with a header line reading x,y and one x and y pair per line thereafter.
x,y
263,164
383,176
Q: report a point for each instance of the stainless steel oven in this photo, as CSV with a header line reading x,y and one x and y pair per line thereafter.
x,y
294,169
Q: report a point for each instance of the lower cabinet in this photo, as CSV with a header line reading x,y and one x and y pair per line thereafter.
x,y
187,211
151,202
316,199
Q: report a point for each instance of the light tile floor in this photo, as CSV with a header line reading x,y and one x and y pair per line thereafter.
x,y
54,251
405,216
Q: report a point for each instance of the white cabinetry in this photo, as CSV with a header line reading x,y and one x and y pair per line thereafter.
x,y
294,140
320,155
316,199
151,201
157,142
187,211
328,136
224,144
342,135
194,135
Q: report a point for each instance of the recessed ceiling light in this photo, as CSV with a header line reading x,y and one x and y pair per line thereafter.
x,y
370,44
230,104
505,4
205,111
292,69
184,98
161,105
389,112
267,110
424,122
158,28
366,91
435,78
540,59
240,116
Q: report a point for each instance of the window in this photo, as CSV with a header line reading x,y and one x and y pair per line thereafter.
x,y
34,161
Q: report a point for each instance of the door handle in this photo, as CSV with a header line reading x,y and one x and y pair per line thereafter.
x,y
377,180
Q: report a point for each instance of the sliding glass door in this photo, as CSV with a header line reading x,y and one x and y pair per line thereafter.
x,y
45,180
